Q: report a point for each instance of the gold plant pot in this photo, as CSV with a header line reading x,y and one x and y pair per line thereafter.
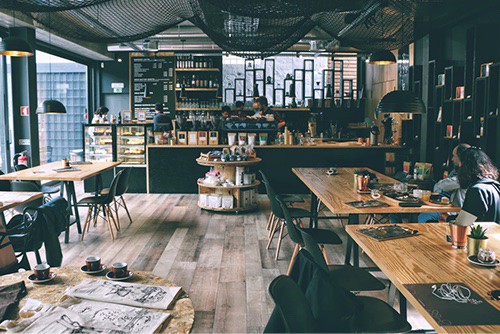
x,y
458,236
473,245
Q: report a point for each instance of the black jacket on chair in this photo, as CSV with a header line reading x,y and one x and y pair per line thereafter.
x,y
334,309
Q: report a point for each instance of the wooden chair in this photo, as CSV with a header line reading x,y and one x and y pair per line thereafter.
x,y
103,202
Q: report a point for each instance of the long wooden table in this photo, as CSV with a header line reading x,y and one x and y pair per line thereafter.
x,y
335,191
47,173
428,258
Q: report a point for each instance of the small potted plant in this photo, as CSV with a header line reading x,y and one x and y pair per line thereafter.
x,y
65,162
476,239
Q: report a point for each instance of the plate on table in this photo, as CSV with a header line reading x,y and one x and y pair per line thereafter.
x,y
112,277
84,269
473,259
32,278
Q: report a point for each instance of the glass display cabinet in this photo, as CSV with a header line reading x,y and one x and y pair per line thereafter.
x,y
98,142
131,141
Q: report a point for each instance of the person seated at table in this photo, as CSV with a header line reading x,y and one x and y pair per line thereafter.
x,y
240,110
101,115
449,186
480,177
265,111
161,122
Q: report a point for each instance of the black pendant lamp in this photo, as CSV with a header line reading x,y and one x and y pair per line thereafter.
x,y
15,47
401,102
382,58
51,106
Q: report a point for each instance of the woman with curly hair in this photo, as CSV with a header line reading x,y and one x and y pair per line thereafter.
x,y
480,177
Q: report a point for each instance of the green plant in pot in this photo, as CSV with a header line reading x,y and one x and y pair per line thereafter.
x,y
476,239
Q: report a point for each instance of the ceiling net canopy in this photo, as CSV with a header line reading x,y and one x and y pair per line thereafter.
x,y
264,27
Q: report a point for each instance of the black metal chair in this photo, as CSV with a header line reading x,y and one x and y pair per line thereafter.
x,y
27,186
322,236
48,188
293,306
374,315
121,188
22,230
348,277
288,198
103,202
279,217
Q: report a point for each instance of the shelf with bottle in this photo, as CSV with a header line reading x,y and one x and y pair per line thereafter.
x,y
197,70
194,62
197,82
198,104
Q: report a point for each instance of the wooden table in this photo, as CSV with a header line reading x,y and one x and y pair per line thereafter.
x,y
428,258
336,190
46,173
11,199
182,314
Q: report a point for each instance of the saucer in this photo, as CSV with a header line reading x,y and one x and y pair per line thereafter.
x,y
84,269
112,277
473,259
32,278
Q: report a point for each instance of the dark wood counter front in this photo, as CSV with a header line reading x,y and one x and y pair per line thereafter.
x,y
173,169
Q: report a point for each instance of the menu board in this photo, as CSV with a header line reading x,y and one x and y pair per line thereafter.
x,y
152,81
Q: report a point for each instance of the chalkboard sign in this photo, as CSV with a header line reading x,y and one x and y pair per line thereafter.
x,y
152,81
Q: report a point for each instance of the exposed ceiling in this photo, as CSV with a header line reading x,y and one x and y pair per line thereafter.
x,y
253,27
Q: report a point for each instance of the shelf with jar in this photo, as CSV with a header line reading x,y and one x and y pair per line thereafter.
x,y
230,185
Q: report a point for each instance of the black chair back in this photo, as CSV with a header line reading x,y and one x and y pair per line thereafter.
x,y
293,230
122,186
4,184
27,186
112,189
311,246
293,305
20,167
275,205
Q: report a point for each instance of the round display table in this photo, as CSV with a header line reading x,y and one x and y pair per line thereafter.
x,y
182,314
244,196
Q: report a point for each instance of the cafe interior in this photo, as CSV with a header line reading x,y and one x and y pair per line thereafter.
x,y
276,166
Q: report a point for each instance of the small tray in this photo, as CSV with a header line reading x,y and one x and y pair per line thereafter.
x,y
32,278
473,259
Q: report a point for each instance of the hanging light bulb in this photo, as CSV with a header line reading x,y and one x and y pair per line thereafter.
x,y
51,106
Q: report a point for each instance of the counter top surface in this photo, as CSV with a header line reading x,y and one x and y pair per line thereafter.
x,y
335,145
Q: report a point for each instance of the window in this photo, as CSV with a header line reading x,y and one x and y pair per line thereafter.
x,y
66,81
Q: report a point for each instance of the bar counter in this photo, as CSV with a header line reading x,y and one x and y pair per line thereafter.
x,y
173,168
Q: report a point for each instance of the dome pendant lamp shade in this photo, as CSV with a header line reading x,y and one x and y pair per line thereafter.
x,y
401,102
15,47
382,58
51,107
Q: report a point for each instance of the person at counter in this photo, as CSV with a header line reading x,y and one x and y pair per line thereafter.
x,y
226,112
265,111
161,121
100,115
240,110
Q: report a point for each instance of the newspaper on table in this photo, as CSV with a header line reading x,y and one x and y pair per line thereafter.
x,y
84,316
132,294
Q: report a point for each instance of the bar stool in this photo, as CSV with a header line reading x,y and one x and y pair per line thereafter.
x,y
98,202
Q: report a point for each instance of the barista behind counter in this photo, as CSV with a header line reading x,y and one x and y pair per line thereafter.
x,y
264,110
161,121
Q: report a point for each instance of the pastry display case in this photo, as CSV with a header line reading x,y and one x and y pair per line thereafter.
x,y
98,142
131,141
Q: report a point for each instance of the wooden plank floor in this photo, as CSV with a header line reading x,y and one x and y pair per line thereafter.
x,y
219,259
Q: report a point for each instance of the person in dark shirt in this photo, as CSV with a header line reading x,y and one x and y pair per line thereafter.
x,y
265,110
480,177
240,110
161,122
